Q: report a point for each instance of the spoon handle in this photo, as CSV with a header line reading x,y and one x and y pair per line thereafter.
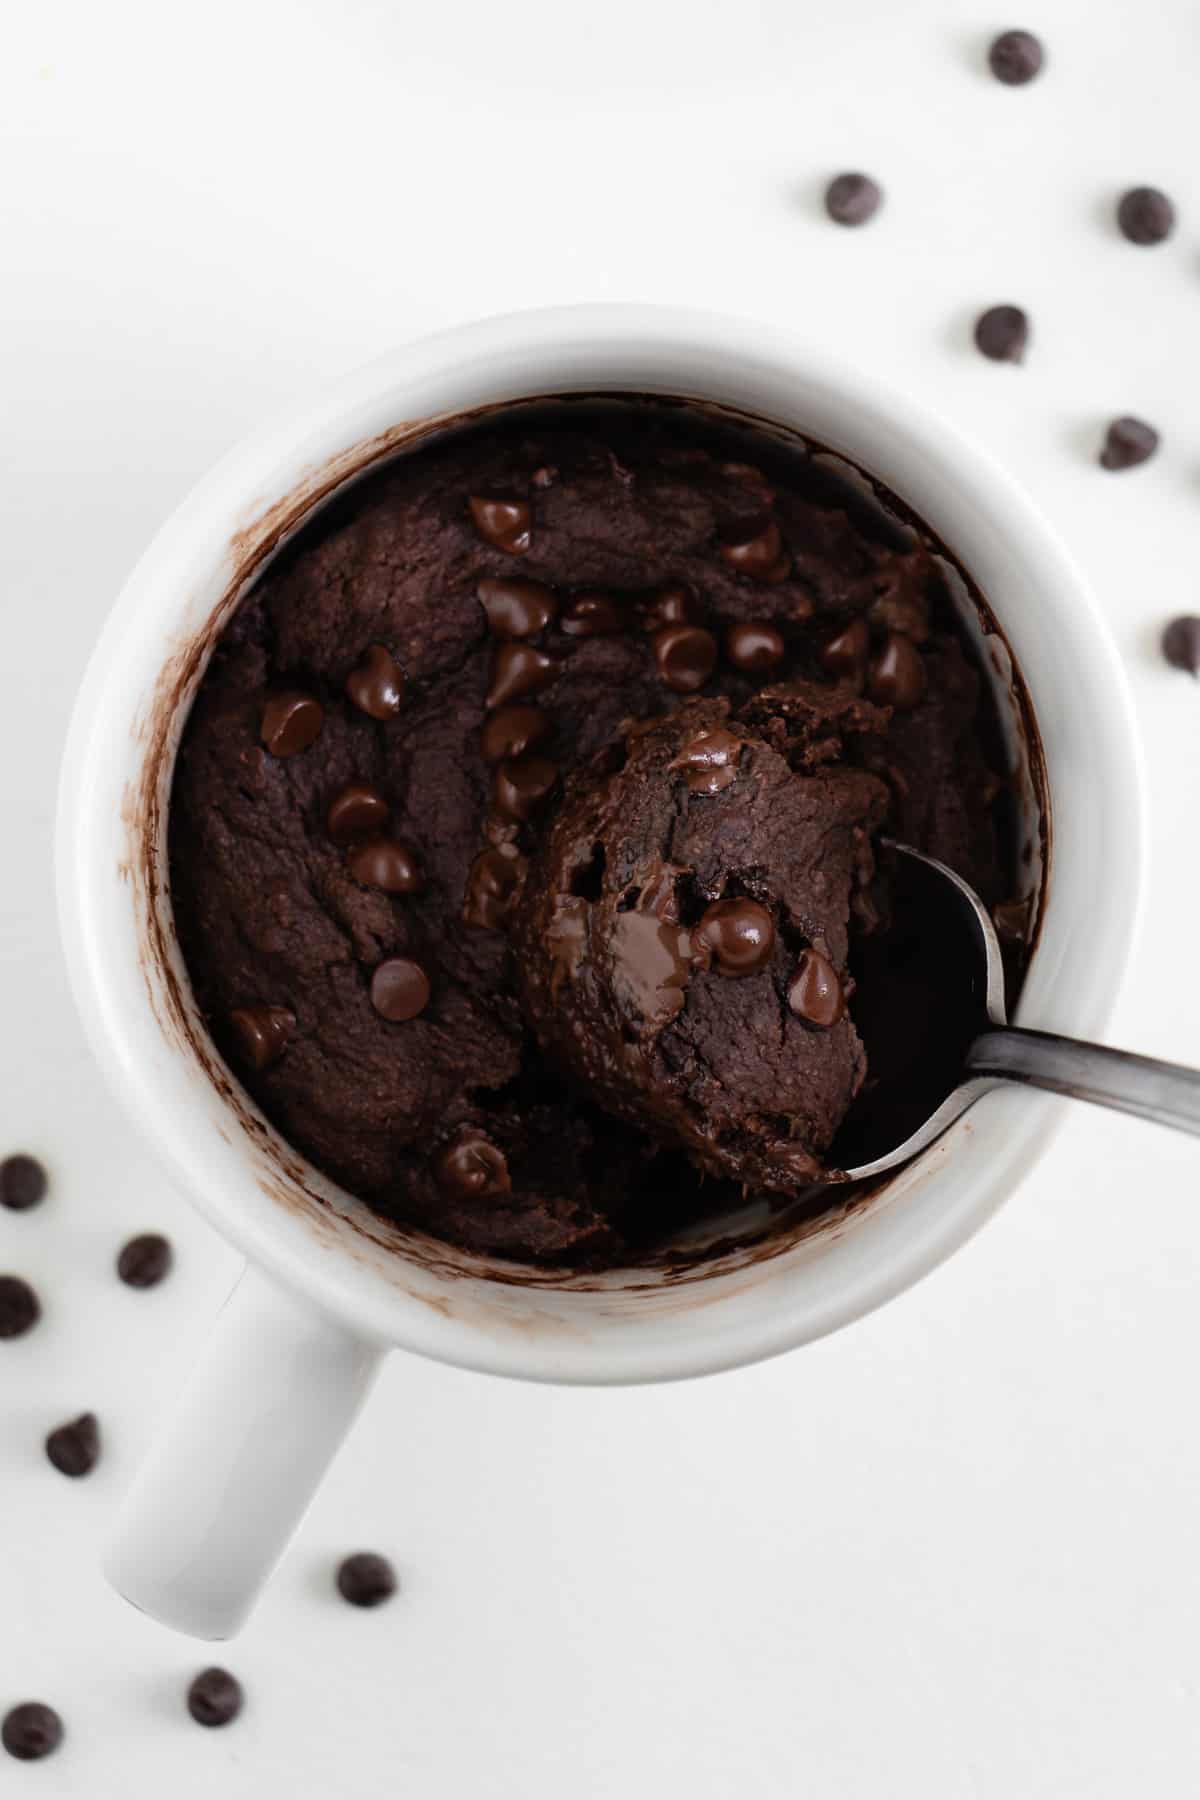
x,y
1164,1092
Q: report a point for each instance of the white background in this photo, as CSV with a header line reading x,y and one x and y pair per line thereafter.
x,y
951,1552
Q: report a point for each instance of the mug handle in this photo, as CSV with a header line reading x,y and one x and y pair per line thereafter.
x,y
226,1483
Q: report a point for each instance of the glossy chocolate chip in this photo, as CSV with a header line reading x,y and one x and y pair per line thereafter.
x,y
1002,334
517,670
376,684
896,676
472,1169
739,935
755,549
516,608
20,1308
513,731
31,1731
815,993
755,647
1145,215
366,1579
215,1697
262,1033
545,477
357,812
74,1448
1015,57
400,989
1128,442
521,786
852,199
709,760
22,1182
505,524
671,604
291,721
1181,643
593,615
846,653
686,656
492,883
145,1261
386,864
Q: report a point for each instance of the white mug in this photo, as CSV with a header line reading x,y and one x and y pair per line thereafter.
x,y
329,1286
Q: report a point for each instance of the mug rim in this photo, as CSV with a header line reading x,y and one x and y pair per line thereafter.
x,y
236,491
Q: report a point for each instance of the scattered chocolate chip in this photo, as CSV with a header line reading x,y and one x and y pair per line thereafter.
x,y
1015,57
907,613
852,199
386,864
671,604
291,722
686,656
1011,919
545,477
1127,442
145,1261
472,1169
710,760
1181,643
355,813
752,549
518,669
22,1182
516,608
846,654
262,1033
1145,215
74,1448
1002,333
896,676
492,883
503,523
739,934
20,1308
755,647
400,989
814,993
215,1697
366,1579
513,731
521,786
376,685
31,1731
593,615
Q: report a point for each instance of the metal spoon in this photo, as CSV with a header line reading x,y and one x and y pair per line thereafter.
x,y
1164,1092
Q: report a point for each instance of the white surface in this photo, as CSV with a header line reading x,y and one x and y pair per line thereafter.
x,y
949,1551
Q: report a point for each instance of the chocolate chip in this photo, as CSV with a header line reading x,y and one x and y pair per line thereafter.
x,y
814,993
545,477
521,786
262,1033
518,669
291,721
686,656
852,199
1002,333
366,1579
386,864
31,1731
400,989
671,604
516,608
1127,442
1015,57
1011,919
846,654
492,884
74,1448
472,1169
376,685
1145,215
755,647
593,615
739,934
215,1697
512,731
22,1182
20,1308
145,1261
710,760
897,675
503,523
357,812
1181,643
754,549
